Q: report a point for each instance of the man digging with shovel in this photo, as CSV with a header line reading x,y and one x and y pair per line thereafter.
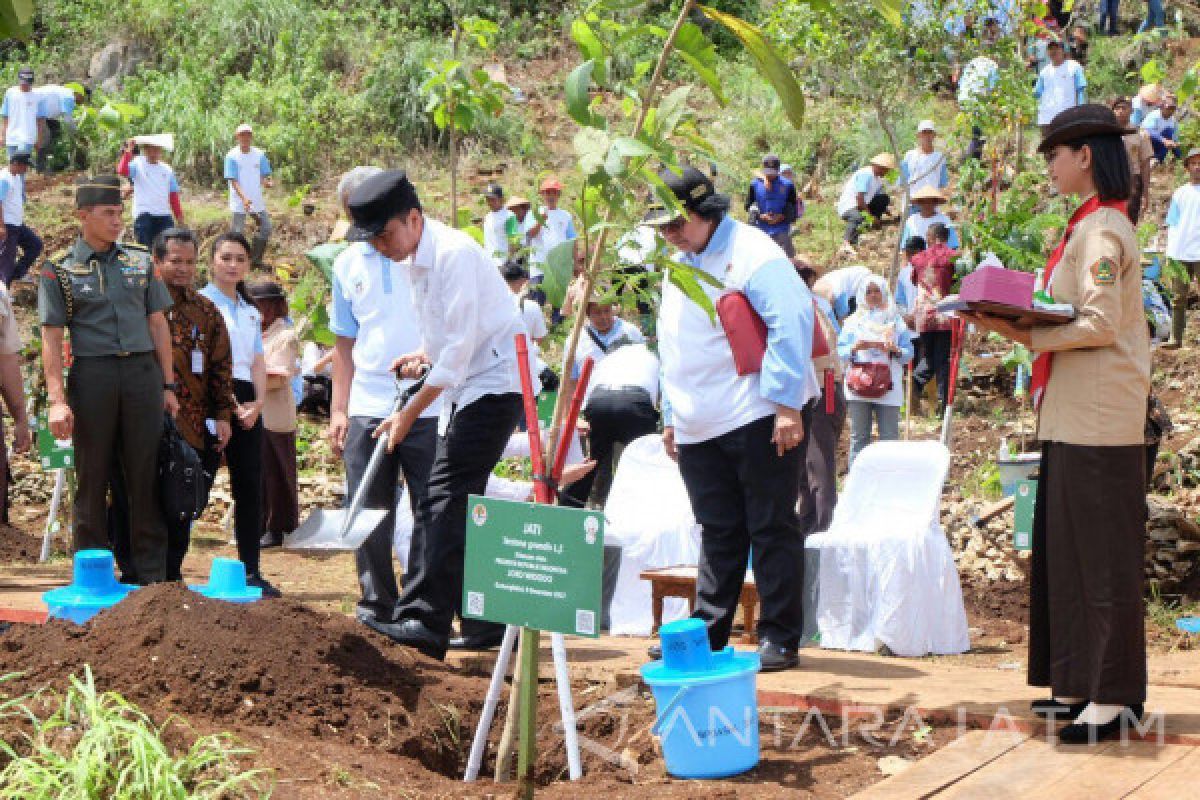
x,y
467,323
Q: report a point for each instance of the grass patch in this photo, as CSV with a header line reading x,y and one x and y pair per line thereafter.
x,y
90,744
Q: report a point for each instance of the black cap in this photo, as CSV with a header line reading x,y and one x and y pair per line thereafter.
x,y
266,290
771,160
514,269
377,200
25,75
691,187
494,190
1090,119
21,158
98,190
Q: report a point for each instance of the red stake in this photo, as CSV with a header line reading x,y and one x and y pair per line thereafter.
x,y
541,489
564,441
957,334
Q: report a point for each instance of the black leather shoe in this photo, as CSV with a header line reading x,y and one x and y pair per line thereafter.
x,y
776,657
270,539
479,641
262,583
655,652
1083,733
411,633
1052,708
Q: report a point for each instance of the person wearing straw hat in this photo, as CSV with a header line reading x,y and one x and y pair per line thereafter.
x,y
15,235
772,204
863,194
519,206
924,166
110,297
156,203
739,439
1090,383
248,171
925,202
468,327
1183,243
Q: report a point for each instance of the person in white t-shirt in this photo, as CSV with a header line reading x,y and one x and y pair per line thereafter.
x,y
517,278
558,227
23,113
923,165
17,235
925,204
247,171
863,194
1060,85
1183,242
499,226
58,105
156,203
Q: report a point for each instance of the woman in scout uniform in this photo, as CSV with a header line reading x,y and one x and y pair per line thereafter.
x,y
1090,383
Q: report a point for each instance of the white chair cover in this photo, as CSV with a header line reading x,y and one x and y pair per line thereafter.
x,y
649,515
886,574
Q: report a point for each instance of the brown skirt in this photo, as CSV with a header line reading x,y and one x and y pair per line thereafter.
x,y
1087,633
281,502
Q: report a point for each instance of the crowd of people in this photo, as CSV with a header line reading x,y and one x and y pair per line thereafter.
x,y
416,304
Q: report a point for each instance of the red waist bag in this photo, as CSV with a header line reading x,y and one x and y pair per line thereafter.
x,y
747,333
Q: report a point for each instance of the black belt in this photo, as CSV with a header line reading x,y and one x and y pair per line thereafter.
x,y
122,354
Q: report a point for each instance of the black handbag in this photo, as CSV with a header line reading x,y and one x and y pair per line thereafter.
x,y
182,488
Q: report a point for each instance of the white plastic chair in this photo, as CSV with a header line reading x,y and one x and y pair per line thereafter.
x,y
886,575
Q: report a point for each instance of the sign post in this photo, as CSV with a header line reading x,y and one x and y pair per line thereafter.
x,y
1023,507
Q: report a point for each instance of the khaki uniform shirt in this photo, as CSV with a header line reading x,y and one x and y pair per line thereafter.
x,y
1140,150
1100,373
10,335
112,294
281,348
203,363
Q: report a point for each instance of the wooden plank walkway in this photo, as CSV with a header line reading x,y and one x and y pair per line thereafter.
x,y
1012,765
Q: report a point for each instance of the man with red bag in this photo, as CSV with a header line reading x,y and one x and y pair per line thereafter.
x,y
736,406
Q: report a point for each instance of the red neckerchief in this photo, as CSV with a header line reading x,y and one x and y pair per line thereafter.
x,y
1041,364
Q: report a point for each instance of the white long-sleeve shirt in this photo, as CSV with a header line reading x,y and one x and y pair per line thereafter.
x,y
466,316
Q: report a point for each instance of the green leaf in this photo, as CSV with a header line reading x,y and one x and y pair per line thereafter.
x,y
559,267
769,63
708,75
591,147
629,147
590,45
579,100
1187,86
695,48
1152,71
684,278
670,111
890,10
16,19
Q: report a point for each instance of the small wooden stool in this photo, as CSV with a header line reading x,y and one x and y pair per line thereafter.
x,y
681,582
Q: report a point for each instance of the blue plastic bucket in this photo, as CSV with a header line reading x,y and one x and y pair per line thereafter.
x,y
707,704
93,588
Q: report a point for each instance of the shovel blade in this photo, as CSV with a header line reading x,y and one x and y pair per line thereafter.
x,y
323,530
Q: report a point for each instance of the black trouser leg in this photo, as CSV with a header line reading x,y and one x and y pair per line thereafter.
x,y
243,457
934,363
616,416
743,493
878,205
118,523
93,392
138,440
818,478
413,457
466,455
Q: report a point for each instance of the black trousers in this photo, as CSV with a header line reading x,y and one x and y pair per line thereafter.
x,y
818,470
1087,627
118,408
744,494
934,363
413,458
466,455
179,532
243,458
617,416
854,218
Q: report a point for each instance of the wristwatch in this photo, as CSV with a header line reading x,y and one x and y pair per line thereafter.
x,y
171,387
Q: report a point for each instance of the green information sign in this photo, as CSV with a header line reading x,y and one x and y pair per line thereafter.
x,y
545,407
1023,505
533,565
53,453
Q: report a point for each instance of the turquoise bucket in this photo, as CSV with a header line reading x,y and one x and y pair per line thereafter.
x,y
227,581
93,588
707,704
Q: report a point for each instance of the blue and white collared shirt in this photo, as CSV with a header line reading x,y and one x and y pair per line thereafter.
x,y
703,396
244,323
372,304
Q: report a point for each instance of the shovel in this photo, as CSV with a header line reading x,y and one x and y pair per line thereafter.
x,y
347,529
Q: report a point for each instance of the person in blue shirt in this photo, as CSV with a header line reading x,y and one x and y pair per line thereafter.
x,y
739,435
1162,127
772,204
